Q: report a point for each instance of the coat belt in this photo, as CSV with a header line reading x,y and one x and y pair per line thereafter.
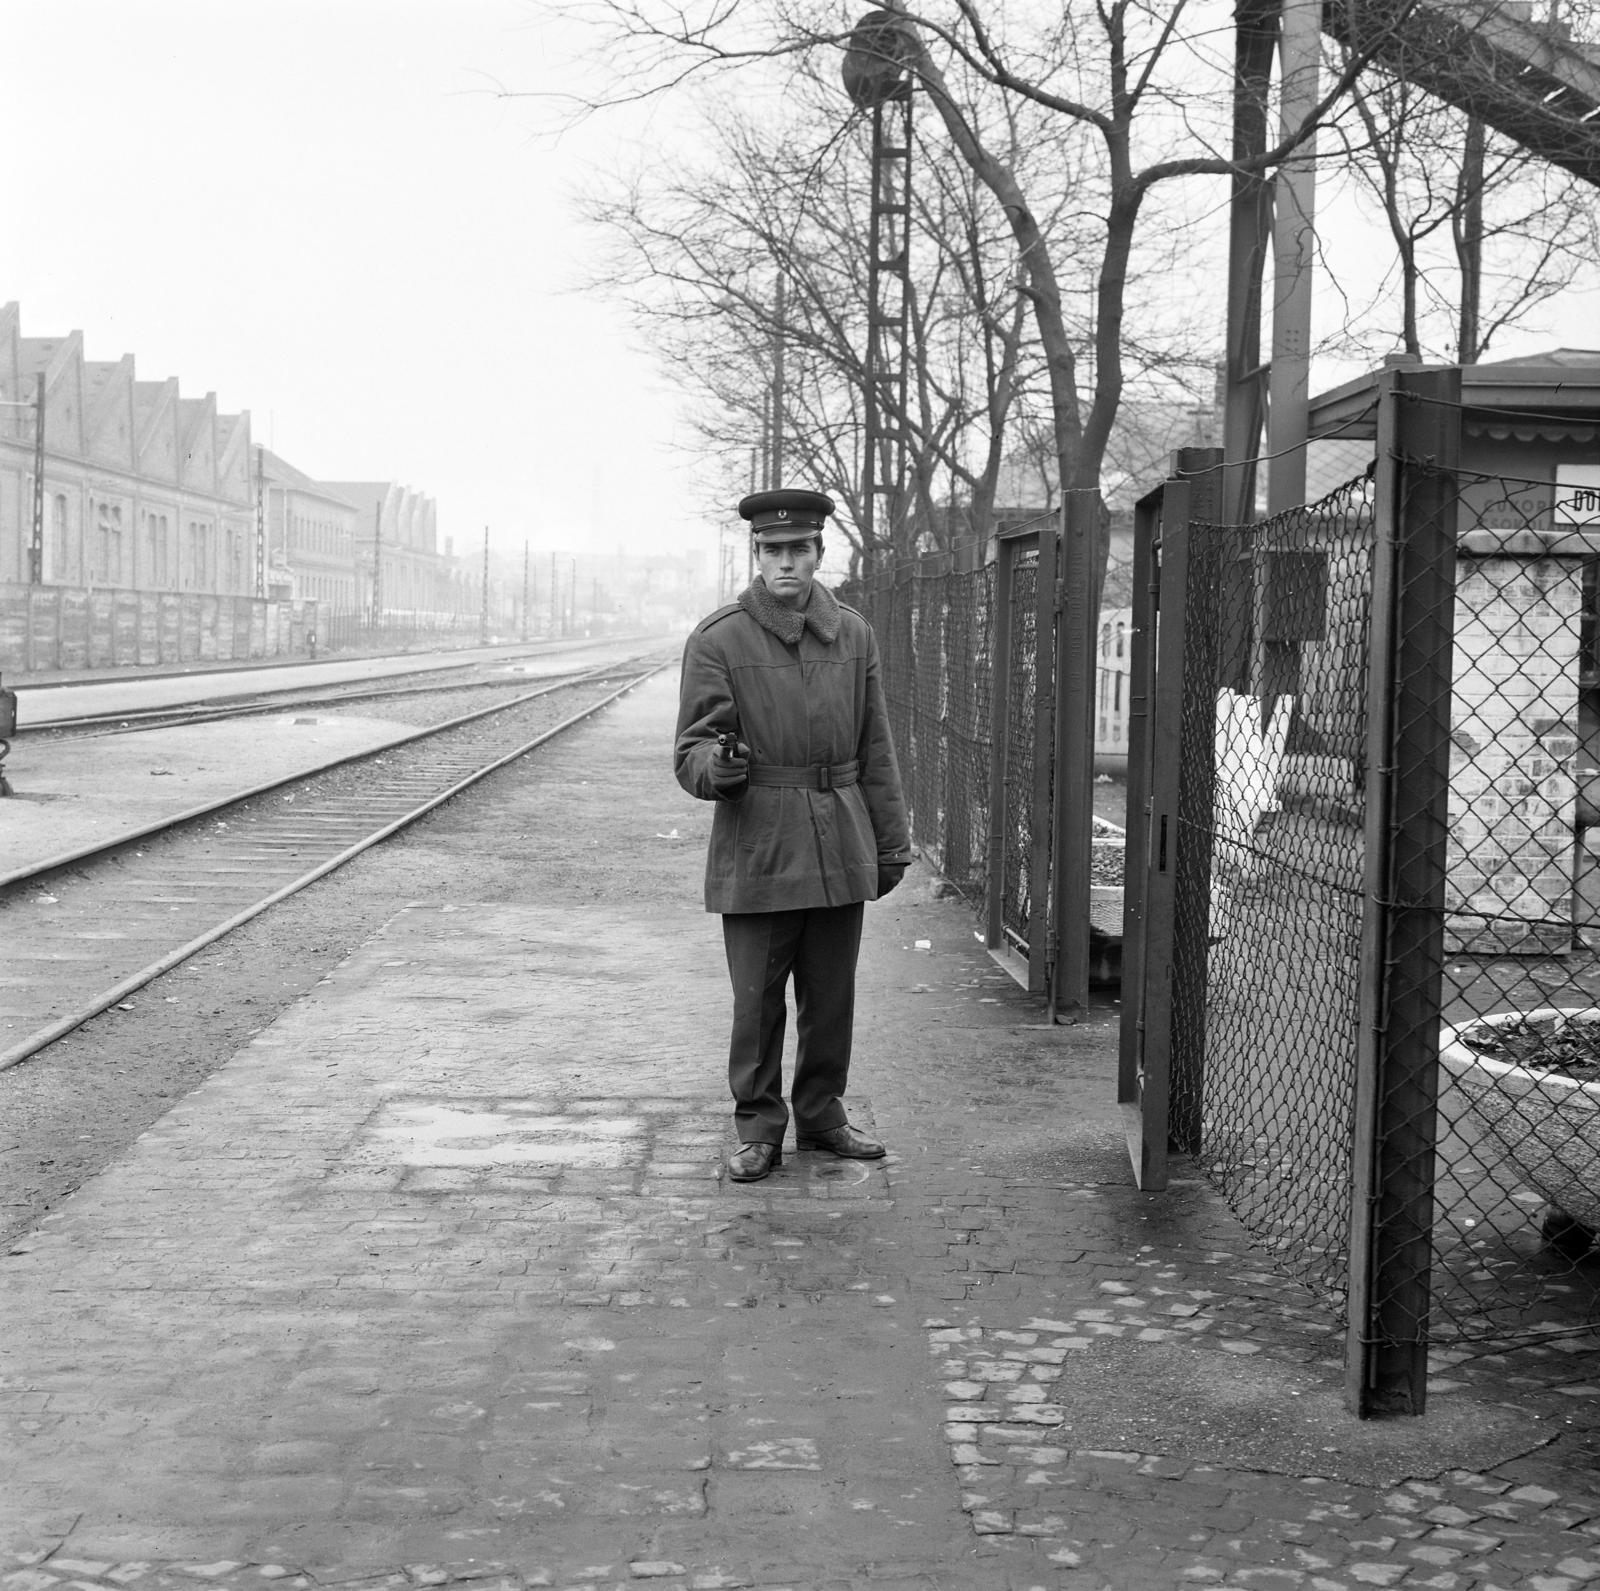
x,y
819,776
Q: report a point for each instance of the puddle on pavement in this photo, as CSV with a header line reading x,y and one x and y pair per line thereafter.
x,y
444,1134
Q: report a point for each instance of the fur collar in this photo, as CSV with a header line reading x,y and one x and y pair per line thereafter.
x,y
821,613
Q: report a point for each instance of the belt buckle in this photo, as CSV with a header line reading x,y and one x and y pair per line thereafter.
x,y
824,776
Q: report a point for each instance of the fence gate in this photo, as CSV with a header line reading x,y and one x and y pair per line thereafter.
x,y
1173,639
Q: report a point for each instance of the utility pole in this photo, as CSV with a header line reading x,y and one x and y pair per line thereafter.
x,y
524,591
36,544
483,615
555,627
1469,246
377,565
572,600
261,521
1293,245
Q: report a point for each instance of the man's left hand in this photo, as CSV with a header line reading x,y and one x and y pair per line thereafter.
x,y
889,875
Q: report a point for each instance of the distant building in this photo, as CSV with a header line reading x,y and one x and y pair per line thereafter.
x,y
144,489
397,545
311,537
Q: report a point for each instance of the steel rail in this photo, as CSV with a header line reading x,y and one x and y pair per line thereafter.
x,y
325,695
176,717
45,1036
126,837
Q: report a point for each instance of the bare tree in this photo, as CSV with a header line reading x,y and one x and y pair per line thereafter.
x,y
1483,232
699,251
1139,93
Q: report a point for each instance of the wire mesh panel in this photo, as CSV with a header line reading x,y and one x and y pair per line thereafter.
x,y
1517,1197
1016,903
967,716
1275,710
935,637
1387,977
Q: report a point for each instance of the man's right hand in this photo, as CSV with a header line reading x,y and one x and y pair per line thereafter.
x,y
729,775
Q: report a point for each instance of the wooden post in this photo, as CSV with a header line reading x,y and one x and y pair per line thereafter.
x,y
1406,829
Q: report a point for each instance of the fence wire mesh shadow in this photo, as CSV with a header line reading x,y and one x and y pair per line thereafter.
x,y
1502,1178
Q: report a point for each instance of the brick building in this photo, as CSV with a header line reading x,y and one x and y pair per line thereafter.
x,y
144,489
396,541
311,536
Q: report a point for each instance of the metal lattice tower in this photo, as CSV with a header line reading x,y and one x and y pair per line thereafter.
x,y
877,79
889,300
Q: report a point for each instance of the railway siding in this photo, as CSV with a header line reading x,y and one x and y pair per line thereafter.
x,y
92,931
72,793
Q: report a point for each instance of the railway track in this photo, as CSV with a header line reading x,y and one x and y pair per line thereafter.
x,y
84,930
434,682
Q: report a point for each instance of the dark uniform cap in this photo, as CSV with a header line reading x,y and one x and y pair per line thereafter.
x,y
785,515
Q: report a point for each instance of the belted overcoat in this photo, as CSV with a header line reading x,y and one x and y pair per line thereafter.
x,y
803,690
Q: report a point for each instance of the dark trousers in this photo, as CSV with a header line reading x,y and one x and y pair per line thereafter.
x,y
818,948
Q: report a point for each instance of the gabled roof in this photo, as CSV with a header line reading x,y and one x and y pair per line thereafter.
x,y
281,472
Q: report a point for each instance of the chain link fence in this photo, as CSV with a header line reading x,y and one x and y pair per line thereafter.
x,y
1518,1145
1270,888
935,636
1391,977
962,653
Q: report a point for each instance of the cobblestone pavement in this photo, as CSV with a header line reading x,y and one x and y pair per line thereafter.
x,y
436,1282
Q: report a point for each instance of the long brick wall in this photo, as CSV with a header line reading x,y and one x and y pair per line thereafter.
x,y
69,627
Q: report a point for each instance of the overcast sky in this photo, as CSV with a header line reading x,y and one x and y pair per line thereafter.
x,y
323,211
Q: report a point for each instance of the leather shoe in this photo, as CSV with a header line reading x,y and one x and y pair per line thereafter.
x,y
752,1162
844,1141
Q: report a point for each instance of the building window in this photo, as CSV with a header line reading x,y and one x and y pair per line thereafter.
x,y
107,567
199,556
60,539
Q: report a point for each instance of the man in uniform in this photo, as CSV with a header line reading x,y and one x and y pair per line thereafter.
x,y
781,722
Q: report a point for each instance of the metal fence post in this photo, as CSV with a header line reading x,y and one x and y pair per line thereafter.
x,y
1137,1085
1000,742
1041,950
1194,749
1406,828
956,685
1073,815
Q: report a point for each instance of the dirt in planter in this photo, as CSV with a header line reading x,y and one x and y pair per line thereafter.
x,y
1572,1049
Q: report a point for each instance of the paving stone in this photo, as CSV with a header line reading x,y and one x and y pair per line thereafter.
x,y
406,1286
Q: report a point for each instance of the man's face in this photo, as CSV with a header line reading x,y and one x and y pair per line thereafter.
x,y
788,568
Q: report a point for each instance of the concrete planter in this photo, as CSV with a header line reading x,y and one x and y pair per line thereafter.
x,y
1546,1124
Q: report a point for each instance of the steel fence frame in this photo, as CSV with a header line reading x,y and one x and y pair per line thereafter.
x,y
965,641
1293,979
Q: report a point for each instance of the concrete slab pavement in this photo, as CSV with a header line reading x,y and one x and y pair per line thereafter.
x,y
436,1281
